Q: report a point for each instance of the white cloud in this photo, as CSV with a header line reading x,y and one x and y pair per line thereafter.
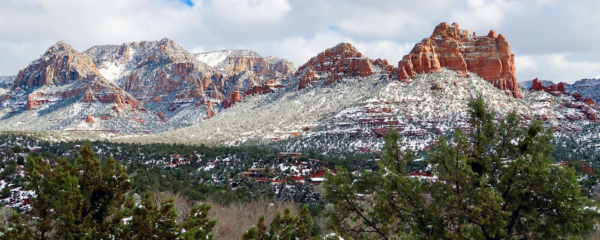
x,y
249,12
484,14
377,24
556,67
391,51
525,63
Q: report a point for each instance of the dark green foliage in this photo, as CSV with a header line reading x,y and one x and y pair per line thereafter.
x,y
75,198
17,230
86,199
283,227
16,149
147,221
497,181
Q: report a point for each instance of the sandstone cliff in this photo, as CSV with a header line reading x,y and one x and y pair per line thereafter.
x,y
68,73
451,47
339,62
59,65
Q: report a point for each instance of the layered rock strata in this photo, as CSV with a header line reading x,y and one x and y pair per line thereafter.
x,y
341,61
584,105
454,48
68,73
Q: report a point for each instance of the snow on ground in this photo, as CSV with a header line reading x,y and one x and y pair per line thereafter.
x,y
213,58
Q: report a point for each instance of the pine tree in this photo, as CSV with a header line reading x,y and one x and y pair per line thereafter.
x,y
496,181
282,227
87,199
17,229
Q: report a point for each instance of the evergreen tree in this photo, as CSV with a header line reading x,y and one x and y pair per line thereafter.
x,y
86,199
497,181
17,229
282,227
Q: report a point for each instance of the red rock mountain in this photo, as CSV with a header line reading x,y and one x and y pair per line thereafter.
x,y
247,72
231,62
454,48
338,62
61,65
165,77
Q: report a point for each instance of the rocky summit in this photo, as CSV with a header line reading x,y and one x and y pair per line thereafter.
x,y
61,65
488,56
341,61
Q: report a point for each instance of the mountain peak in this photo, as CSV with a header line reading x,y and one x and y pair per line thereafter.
x,y
345,47
60,46
446,31
342,60
451,47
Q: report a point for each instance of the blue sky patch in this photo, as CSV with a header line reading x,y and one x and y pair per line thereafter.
x,y
187,2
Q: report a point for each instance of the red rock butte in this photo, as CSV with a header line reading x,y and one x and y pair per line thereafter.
x,y
338,62
454,48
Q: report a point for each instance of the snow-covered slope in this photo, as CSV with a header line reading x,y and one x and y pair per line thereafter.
x,y
351,114
230,62
213,58
587,87
526,85
7,81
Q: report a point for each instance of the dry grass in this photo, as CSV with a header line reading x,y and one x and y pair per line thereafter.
x,y
594,235
233,219
182,203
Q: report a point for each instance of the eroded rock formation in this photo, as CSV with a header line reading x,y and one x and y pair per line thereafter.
x,y
582,104
89,119
59,65
338,62
451,47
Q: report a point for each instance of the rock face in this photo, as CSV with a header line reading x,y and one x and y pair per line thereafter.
x,y
451,47
89,119
339,62
589,88
577,102
231,62
150,70
246,72
162,116
59,65
166,78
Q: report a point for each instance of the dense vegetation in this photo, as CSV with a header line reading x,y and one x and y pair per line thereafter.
x,y
500,180
497,181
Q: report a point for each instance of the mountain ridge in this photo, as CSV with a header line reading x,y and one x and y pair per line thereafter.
x,y
238,96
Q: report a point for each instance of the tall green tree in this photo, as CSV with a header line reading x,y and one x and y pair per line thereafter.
x,y
87,199
283,227
496,181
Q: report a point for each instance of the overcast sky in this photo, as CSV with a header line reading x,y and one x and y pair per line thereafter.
x,y
555,40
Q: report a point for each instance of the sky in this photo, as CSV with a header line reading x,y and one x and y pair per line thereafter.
x,y
556,40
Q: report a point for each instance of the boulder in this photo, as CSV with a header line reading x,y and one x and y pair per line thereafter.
x,y
578,97
89,119
589,101
161,116
116,109
561,87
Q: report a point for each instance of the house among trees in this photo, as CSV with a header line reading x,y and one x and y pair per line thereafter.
x,y
290,154
256,172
